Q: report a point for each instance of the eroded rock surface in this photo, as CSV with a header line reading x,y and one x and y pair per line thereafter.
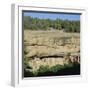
x,y
51,48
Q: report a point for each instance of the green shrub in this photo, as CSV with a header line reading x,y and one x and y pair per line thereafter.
x,y
43,69
55,68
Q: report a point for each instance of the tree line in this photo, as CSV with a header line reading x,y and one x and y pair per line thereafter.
x,y
48,24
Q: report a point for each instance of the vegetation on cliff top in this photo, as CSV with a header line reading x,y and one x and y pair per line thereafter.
x,y
48,24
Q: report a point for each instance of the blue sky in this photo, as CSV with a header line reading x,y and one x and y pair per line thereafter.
x,y
53,16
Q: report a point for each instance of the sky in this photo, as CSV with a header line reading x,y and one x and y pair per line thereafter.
x,y
53,16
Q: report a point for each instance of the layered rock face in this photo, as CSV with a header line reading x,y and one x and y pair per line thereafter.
x,y
51,48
